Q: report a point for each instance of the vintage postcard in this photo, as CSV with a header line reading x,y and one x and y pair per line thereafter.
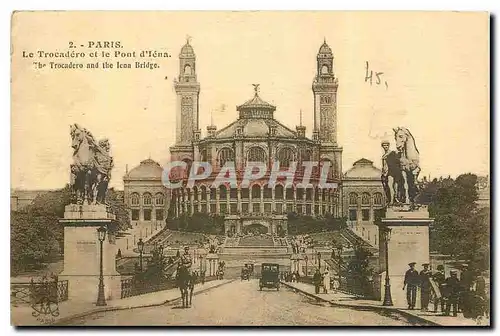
x,y
234,168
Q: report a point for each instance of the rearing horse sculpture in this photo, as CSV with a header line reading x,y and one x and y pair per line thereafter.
x,y
409,163
91,168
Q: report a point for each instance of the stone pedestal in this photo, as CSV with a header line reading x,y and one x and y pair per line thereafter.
x,y
212,261
408,242
82,252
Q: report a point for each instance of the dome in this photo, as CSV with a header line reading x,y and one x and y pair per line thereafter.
x,y
256,103
146,169
363,169
256,107
187,51
325,49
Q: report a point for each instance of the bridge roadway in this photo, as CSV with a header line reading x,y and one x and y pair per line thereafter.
x,y
241,303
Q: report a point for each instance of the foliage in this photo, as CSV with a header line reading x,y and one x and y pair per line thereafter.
x,y
34,241
114,198
460,229
198,222
303,224
156,265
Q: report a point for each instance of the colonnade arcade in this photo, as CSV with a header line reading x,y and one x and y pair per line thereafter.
x,y
257,199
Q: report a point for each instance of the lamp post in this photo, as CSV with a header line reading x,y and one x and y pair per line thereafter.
x,y
306,259
140,247
319,260
387,295
101,300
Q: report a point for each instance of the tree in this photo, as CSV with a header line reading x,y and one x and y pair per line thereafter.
x,y
115,200
33,241
460,228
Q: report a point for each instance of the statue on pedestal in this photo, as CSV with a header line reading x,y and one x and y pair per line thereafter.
x,y
91,168
400,169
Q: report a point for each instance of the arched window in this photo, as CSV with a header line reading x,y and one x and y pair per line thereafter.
x,y
365,199
147,199
212,193
187,70
255,191
300,194
256,154
203,191
278,192
159,199
267,192
233,194
195,193
203,155
225,154
245,193
377,198
134,199
285,157
305,155
353,199
222,192
324,69
308,194
289,193
317,192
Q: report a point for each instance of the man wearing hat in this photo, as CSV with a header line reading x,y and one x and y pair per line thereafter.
x,y
453,291
411,283
425,287
439,278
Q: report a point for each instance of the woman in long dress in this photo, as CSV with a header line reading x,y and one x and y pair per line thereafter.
x,y
326,280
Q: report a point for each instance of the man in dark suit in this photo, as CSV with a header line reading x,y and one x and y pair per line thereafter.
x,y
425,287
411,283
453,291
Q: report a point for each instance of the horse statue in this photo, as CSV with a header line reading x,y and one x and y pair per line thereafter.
x,y
91,167
409,164
185,282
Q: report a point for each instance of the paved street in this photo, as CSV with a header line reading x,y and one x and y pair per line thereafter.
x,y
241,303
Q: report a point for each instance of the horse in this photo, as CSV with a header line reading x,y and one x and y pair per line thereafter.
x,y
185,282
409,162
92,164
82,168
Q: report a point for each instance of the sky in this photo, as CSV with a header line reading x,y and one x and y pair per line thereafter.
x,y
436,66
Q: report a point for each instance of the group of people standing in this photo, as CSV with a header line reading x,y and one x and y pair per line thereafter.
x,y
467,294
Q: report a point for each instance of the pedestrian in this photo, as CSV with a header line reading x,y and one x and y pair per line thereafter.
x,y
466,279
336,283
439,279
326,280
425,287
453,291
317,280
411,283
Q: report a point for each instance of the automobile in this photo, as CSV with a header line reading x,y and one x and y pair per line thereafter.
x,y
269,277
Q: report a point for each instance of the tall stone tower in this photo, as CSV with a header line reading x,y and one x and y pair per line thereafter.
x,y
325,96
187,110
324,88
